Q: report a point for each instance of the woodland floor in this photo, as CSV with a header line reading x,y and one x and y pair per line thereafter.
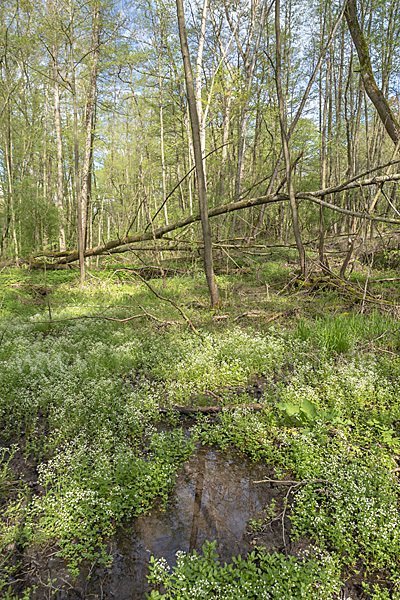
x,y
121,409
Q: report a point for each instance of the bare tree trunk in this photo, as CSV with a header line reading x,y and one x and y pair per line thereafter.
x,y
89,121
375,94
8,146
160,107
299,112
194,119
327,92
249,73
225,137
79,215
198,91
45,123
285,143
57,124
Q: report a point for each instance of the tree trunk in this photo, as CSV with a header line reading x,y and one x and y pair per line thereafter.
x,y
57,124
225,138
375,94
249,75
160,107
89,120
324,94
285,143
8,147
201,185
79,215
198,90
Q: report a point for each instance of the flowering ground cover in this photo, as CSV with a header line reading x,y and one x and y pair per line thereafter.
x,y
82,400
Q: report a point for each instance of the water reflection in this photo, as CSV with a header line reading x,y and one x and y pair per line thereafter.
x,y
214,498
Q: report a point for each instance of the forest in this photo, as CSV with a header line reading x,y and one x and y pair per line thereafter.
x,y
295,107
199,300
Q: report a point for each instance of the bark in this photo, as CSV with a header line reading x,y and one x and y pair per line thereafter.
x,y
210,410
299,113
117,245
163,169
321,241
60,176
285,143
249,75
89,120
225,138
198,91
45,173
79,222
375,94
8,147
201,185
82,178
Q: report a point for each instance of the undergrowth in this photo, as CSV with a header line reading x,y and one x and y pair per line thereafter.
x,y
81,398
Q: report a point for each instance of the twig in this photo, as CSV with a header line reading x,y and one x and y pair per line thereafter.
x,y
387,279
81,317
156,318
178,308
258,315
229,256
292,483
186,410
388,352
297,276
47,293
285,503
101,317
385,333
366,285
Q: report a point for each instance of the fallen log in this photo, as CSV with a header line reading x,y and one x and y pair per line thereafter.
x,y
123,244
112,245
209,410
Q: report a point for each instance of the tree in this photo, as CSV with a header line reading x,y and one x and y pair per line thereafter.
x,y
285,142
375,94
198,155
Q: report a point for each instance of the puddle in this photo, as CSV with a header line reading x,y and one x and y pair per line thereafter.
x,y
214,499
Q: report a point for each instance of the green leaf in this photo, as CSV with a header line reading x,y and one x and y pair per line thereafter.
x,y
289,408
308,408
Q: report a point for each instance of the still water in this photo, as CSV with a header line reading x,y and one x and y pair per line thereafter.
x,y
214,498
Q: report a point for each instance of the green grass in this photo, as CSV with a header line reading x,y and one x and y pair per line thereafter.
x,y
344,332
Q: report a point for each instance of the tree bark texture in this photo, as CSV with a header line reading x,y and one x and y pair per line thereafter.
x,y
285,143
375,94
201,184
60,177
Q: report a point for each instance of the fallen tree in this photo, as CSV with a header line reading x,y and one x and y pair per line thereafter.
x,y
124,244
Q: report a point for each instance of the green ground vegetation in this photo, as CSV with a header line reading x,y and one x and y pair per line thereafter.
x,y
80,400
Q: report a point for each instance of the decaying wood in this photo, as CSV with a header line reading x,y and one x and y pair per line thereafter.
x,y
253,314
209,410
